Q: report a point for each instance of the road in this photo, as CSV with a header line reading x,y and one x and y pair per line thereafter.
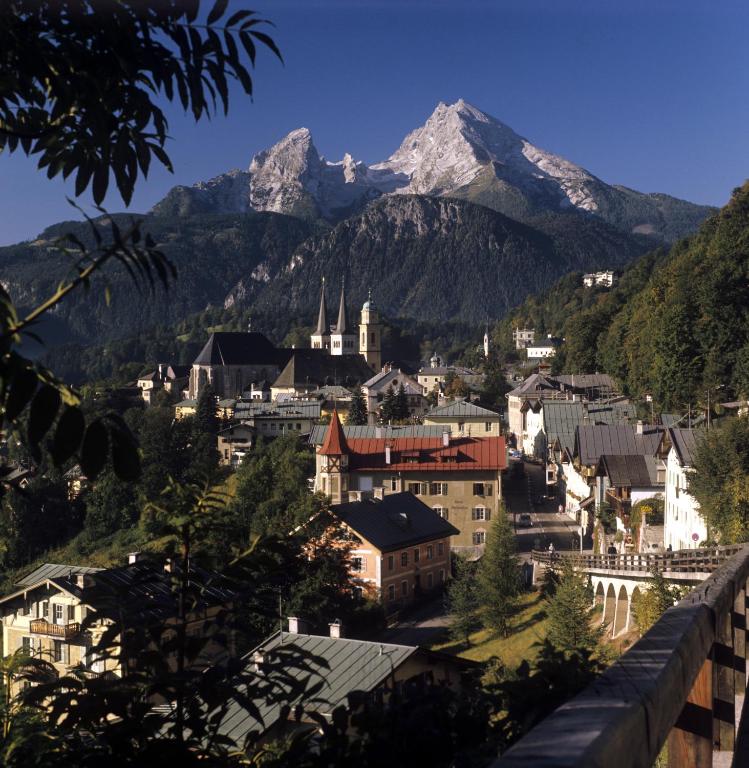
x,y
523,489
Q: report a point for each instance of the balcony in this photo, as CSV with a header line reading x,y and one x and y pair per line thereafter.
x,y
62,631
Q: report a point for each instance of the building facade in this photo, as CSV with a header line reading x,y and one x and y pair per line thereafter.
x,y
684,527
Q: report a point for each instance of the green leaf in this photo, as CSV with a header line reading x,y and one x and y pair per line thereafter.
x,y
94,449
101,182
42,414
68,434
125,458
22,389
217,11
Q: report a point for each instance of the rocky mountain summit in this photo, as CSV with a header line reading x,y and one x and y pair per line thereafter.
x,y
459,152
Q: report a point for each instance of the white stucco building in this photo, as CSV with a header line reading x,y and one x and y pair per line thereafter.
x,y
684,527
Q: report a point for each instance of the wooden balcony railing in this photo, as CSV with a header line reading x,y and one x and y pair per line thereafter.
x,y
62,631
704,560
683,684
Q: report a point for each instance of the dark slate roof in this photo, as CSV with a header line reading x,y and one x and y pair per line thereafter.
x,y
179,371
629,471
562,417
399,520
351,432
587,381
143,590
239,348
535,384
461,409
592,442
288,409
685,444
317,368
52,571
337,665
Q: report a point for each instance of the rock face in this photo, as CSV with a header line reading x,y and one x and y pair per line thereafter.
x,y
459,152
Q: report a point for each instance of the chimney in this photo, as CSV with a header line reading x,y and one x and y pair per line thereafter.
x,y
387,453
336,629
133,557
445,439
639,427
297,626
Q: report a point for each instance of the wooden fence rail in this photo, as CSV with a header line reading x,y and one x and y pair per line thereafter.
x,y
703,560
683,684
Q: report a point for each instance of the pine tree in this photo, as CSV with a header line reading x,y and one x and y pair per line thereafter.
x,y
205,456
206,421
388,406
357,414
499,575
462,601
649,605
570,627
400,404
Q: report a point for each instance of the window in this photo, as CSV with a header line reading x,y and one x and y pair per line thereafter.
x,y
61,652
461,426
442,512
58,613
430,552
391,562
27,644
404,589
479,537
430,580
442,576
416,555
440,549
438,489
373,337
480,513
414,488
391,592
482,489
404,558
44,610
487,426
71,613
358,564
393,484
299,427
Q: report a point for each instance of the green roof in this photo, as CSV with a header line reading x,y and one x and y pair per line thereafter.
x,y
461,409
332,667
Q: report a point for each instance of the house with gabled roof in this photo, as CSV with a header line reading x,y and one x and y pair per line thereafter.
x,y
458,477
342,672
400,547
376,387
464,418
684,526
58,613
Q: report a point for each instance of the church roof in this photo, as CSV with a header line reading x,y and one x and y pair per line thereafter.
x,y
335,440
323,328
343,325
317,368
237,348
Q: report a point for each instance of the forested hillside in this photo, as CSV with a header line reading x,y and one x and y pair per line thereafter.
x,y
675,325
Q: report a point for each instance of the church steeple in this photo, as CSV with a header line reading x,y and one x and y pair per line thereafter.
x,y
320,339
342,325
343,336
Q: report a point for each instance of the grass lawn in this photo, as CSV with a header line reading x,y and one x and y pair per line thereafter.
x,y
528,628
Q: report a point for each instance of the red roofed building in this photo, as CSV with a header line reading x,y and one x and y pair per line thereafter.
x,y
459,477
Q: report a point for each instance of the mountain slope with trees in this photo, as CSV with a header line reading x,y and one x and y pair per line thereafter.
x,y
674,326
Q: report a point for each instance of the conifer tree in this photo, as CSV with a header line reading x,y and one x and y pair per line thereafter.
x,y
205,428
499,576
462,601
388,406
570,627
206,421
400,404
357,414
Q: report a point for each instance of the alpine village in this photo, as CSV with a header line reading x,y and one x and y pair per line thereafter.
x,y
440,460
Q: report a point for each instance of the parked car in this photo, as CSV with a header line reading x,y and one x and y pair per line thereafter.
x,y
525,521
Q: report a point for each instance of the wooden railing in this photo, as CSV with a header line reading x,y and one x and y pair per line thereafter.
x,y
704,560
682,684
63,631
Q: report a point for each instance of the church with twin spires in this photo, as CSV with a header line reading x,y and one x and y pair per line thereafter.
x,y
342,339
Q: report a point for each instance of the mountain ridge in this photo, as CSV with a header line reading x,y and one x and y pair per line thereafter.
x,y
460,151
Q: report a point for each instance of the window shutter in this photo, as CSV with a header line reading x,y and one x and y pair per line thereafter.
x,y
473,514
488,489
71,613
487,514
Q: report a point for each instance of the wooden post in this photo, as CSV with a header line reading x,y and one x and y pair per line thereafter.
x,y
724,704
690,742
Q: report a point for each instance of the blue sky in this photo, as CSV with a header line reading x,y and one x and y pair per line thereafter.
x,y
651,95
